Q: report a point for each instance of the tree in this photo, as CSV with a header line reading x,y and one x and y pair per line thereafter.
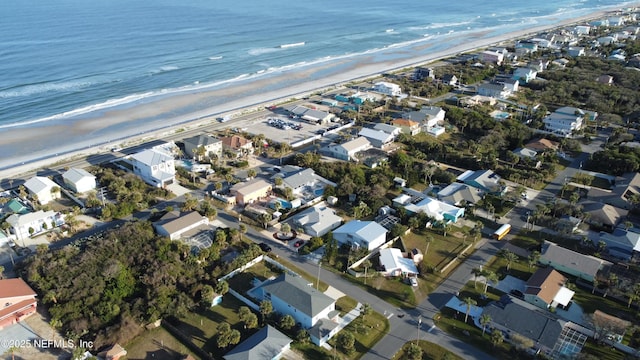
x,y
365,264
266,308
414,352
1,272
265,218
428,239
222,287
365,310
287,322
251,173
469,302
533,258
510,257
207,294
497,337
285,229
634,294
476,272
190,203
489,276
485,319
346,341
612,282
55,323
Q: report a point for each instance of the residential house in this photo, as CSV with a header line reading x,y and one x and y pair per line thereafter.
x,y
17,301
582,29
545,289
114,352
250,191
560,63
526,47
317,220
237,144
459,194
378,139
496,90
622,244
395,264
485,180
306,179
389,129
176,225
603,215
267,343
348,150
203,145
565,120
407,126
634,61
434,208
387,88
79,180
365,234
313,116
14,206
421,73
524,75
309,307
43,189
605,79
584,267
449,79
33,223
550,334
607,40
428,116
525,153
624,194
542,145
600,23
575,51
492,56
155,167
373,157
511,85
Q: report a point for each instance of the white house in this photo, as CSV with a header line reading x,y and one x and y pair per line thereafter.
x,y
25,225
387,88
492,56
42,188
295,296
524,74
349,149
567,119
429,116
377,138
395,264
175,225
318,220
79,180
366,234
434,208
155,167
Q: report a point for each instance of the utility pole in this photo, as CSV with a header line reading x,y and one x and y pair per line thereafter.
x,y
318,278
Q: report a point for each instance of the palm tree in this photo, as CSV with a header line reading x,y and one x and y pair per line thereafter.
x,y
510,257
533,259
497,337
366,265
612,281
428,239
365,310
285,229
469,302
476,272
489,276
485,319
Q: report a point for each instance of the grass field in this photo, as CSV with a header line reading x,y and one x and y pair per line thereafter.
x,y
430,351
367,331
157,344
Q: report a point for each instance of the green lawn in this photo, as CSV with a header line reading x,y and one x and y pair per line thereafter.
x,y
367,332
243,281
157,343
345,304
430,351
311,278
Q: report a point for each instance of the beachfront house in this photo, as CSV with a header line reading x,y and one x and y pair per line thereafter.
x,y
155,166
492,56
23,226
575,51
621,194
317,220
524,74
237,145
387,88
357,233
17,301
497,90
622,244
347,151
176,225
42,189
203,146
79,180
267,343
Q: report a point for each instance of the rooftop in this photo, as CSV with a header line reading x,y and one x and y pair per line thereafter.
x,y
298,293
14,288
265,344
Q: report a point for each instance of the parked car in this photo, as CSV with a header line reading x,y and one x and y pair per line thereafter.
x,y
517,293
298,243
265,247
413,281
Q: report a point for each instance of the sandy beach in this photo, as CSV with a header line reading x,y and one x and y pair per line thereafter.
x,y
39,146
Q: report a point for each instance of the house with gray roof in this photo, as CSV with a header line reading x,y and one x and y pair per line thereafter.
x,y
311,115
305,178
317,220
458,194
348,150
267,343
546,330
41,187
295,296
358,233
485,180
377,138
79,180
389,129
176,225
155,167
570,262
202,145
621,243
428,116
603,215
622,194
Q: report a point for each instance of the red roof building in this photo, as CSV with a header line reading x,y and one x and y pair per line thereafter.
x,y
17,301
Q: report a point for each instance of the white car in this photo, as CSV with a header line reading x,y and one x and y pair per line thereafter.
x,y
413,281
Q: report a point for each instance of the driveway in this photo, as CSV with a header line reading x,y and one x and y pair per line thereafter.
x,y
510,283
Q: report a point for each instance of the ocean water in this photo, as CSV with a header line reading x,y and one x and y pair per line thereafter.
x,y
66,59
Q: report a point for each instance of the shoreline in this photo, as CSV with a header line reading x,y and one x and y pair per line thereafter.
x,y
99,133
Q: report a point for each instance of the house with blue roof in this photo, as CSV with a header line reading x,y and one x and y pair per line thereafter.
x,y
366,234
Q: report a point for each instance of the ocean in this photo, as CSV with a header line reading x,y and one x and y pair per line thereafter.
x,y
68,59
